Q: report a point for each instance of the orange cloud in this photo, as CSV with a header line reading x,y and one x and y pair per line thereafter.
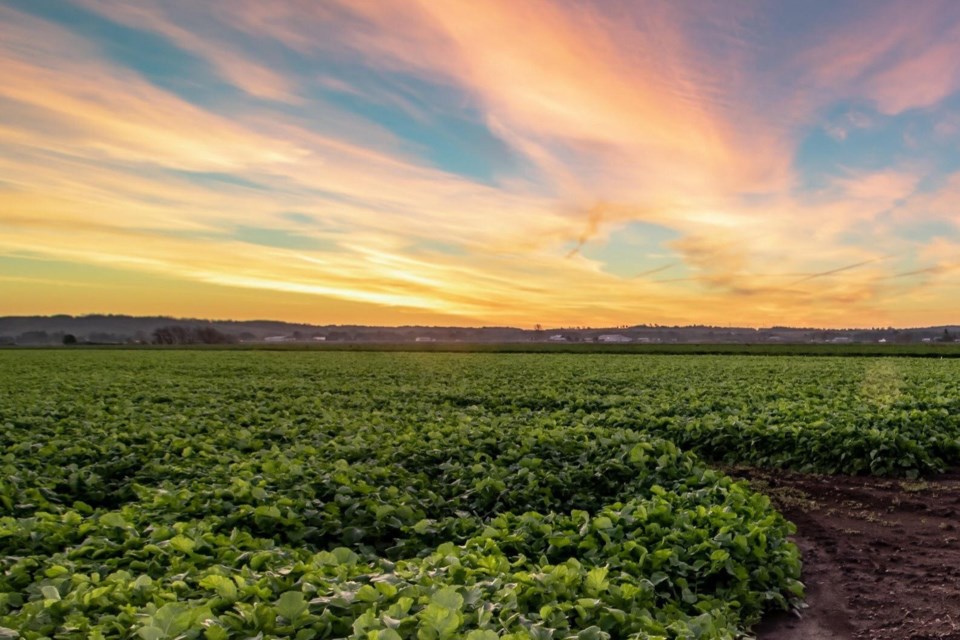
x,y
114,114
624,115
580,83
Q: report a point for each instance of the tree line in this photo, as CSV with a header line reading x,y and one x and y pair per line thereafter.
x,y
180,334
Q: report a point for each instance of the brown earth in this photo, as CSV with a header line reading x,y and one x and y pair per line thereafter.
x,y
881,557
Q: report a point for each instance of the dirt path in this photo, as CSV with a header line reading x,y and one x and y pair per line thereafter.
x,y
881,557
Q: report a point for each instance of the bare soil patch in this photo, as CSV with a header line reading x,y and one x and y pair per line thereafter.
x,y
881,557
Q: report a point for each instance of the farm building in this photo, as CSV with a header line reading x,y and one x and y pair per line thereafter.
x,y
613,337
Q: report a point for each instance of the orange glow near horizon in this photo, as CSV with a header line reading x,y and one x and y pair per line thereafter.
x,y
494,163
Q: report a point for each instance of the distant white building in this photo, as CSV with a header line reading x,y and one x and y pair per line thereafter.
x,y
425,339
613,337
320,338
278,339
557,338
841,340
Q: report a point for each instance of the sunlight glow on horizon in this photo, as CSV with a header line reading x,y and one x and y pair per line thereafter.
x,y
410,161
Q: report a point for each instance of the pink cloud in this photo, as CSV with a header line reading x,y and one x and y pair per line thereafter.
x,y
918,80
884,187
898,55
655,114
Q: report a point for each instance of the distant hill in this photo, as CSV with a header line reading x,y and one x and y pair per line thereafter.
x,y
122,329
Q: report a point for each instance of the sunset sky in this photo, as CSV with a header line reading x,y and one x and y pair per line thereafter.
x,y
482,163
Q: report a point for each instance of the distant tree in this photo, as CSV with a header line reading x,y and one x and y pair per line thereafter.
x,y
69,339
210,335
172,334
178,334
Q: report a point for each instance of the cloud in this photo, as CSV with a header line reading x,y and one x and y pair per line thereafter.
x,y
345,112
178,22
570,89
100,110
899,56
830,272
921,79
879,186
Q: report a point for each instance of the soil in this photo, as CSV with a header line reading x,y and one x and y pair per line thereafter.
x,y
881,557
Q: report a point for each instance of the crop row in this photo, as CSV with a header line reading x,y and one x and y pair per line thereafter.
x,y
216,495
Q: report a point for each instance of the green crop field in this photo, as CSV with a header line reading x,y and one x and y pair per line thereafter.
x,y
255,494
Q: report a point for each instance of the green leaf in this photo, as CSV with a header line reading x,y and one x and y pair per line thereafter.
x,y
142,582
593,633
168,621
441,618
50,592
448,598
366,593
423,526
291,605
182,543
55,571
225,587
344,556
215,632
152,633
271,512
114,519
720,555
596,580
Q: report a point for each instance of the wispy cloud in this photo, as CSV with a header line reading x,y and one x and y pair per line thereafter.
x,y
374,123
197,33
830,272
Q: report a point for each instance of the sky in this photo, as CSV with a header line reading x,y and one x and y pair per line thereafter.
x,y
562,163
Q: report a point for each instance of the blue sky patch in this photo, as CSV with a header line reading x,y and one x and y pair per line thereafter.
x,y
635,249
281,239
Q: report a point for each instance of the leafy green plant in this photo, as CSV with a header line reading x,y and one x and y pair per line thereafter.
x,y
325,495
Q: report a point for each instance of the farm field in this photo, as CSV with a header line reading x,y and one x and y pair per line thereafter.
x,y
935,350
226,494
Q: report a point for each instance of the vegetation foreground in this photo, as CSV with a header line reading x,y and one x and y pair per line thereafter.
x,y
196,494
